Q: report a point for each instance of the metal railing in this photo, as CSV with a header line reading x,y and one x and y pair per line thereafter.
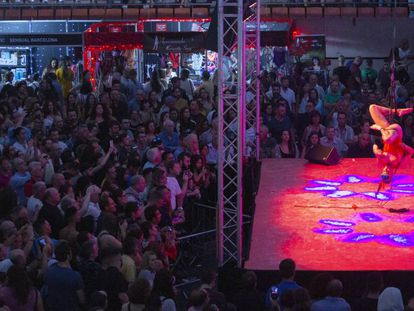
x,y
198,246
337,3
109,3
194,3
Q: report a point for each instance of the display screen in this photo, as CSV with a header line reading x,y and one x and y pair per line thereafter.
x,y
8,58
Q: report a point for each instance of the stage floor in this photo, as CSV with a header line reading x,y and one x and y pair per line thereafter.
x,y
329,217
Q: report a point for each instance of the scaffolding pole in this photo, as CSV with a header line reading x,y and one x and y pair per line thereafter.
x,y
232,49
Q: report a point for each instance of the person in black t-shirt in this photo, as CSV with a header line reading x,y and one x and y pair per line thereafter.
x,y
369,301
342,71
51,212
362,148
113,282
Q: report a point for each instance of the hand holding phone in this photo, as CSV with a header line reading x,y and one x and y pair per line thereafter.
x,y
274,292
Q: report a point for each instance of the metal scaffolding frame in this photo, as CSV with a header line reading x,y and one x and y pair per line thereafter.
x,y
251,33
232,39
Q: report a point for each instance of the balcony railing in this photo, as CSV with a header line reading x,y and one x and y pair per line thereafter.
x,y
110,3
338,3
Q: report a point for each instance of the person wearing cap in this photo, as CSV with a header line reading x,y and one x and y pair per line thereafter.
x,y
170,73
156,142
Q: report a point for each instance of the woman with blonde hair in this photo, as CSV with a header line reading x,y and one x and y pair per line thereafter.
x,y
65,77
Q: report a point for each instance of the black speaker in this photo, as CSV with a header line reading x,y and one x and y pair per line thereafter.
x,y
323,155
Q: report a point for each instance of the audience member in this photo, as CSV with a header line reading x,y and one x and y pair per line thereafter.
x,y
333,300
390,299
287,270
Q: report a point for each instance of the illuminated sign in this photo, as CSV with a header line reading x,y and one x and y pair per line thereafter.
x,y
161,27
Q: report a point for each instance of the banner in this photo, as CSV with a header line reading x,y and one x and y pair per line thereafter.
x,y
308,47
174,42
112,39
175,26
63,39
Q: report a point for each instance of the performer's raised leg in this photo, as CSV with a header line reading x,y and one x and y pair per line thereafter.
x,y
379,114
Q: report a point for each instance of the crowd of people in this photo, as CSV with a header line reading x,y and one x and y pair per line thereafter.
x,y
324,293
98,178
96,183
299,112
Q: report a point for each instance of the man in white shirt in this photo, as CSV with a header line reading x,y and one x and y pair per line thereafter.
x,y
34,204
330,140
344,131
288,93
177,194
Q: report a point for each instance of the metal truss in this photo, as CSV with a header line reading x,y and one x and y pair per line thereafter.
x,y
231,132
251,61
231,50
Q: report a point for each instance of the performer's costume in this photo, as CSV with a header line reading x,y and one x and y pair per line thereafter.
x,y
394,151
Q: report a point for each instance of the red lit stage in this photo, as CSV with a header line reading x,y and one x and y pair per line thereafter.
x,y
331,218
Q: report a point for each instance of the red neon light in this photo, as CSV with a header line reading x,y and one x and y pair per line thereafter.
x,y
115,29
169,19
91,53
276,20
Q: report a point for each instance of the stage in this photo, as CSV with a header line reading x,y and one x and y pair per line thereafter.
x,y
330,218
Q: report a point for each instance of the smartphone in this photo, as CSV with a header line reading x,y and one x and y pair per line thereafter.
x,y
42,242
274,292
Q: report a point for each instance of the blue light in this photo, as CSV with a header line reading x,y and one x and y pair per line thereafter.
x,y
404,185
340,194
325,188
403,191
403,240
334,231
325,182
370,217
354,179
336,223
359,238
378,196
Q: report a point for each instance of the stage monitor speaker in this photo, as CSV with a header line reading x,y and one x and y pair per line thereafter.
x,y
323,155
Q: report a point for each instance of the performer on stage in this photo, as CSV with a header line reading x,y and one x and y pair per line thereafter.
x,y
394,151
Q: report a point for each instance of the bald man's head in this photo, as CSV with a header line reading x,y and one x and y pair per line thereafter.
x,y
334,288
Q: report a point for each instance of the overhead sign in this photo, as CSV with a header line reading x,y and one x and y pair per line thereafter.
x,y
154,26
62,39
117,40
161,27
309,46
174,42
